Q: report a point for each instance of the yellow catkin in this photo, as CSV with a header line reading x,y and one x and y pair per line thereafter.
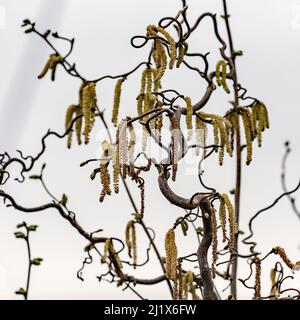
x,y
260,119
257,286
180,282
106,250
248,134
89,104
216,134
117,98
172,45
214,243
219,131
116,167
218,72
141,97
231,218
105,178
161,53
265,115
51,63
114,255
174,145
123,146
254,112
229,133
274,286
78,124
189,117
221,75
181,53
187,283
222,218
281,252
201,135
234,120
171,254
69,117
130,237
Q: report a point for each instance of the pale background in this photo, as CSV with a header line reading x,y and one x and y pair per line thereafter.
x,y
268,31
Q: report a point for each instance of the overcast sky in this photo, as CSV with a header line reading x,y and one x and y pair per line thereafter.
x,y
268,32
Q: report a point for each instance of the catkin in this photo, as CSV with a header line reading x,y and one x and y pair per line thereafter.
x,y
181,52
214,242
180,282
221,75
281,252
187,283
123,146
219,132
141,97
116,167
105,252
78,124
69,117
51,64
231,218
189,117
130,237
248,134
172,45
222,218
89,104
114,255
117,98
174,145
105,178
260,119
161,53
257,286
274,286
201,135
171,254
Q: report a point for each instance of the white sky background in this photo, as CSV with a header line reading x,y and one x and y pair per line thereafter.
x,y
268,31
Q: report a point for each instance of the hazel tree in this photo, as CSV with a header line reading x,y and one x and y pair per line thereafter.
x,y
178,126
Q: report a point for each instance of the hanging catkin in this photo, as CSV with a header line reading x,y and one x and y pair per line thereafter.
x,y
222,218
51,64
117,98
130,237
221,75
257,286
201,135
158,53
116,166
214,242
123,146
105,251
104,173
174,128
231,218
172,45
114,255
248,129
89,105
274,285
182,48
171,254
71,111
189,117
